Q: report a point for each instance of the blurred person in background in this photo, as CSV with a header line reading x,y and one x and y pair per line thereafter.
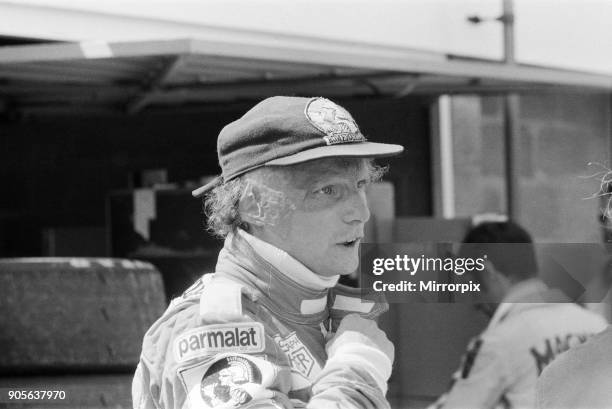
x,y
530,323
582,378
271,327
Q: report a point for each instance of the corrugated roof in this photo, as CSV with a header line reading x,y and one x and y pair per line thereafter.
x,y
74,78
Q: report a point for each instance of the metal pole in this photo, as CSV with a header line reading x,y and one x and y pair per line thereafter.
x,y
507,19
511,118
511,141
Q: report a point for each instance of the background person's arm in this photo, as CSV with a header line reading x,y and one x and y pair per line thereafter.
x,y
480,381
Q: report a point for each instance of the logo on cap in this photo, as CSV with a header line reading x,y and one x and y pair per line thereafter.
x,y
334,121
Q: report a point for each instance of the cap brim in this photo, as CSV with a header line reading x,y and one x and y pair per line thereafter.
x,y
354,150
203,189
350,150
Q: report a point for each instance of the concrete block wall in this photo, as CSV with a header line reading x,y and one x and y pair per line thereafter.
x,y
560,133
566,132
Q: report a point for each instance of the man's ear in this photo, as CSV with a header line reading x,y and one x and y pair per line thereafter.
x,y
496,279
251,207
492,273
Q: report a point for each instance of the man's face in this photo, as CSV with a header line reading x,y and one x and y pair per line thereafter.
x,y
324,224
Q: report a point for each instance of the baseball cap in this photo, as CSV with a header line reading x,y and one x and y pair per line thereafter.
x,y
281,131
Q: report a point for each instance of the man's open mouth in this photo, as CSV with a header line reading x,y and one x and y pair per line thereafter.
x,y
351,243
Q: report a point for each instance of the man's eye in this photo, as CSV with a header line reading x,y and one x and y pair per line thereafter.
x,y
328,190
362,184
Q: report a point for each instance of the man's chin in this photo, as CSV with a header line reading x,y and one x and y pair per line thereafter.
x,y
348,269
338,263
343,270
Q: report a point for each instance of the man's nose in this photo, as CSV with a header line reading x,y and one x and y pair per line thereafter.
x,y
357,209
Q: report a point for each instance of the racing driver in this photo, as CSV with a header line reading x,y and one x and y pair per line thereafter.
x,y
272,328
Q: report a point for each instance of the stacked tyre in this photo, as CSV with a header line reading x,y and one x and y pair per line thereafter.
x,y
74,325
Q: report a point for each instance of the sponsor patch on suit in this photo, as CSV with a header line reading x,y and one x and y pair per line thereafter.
x,y
243,337
227,381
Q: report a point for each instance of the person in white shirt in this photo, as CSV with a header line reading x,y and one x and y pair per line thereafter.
x,y
530,324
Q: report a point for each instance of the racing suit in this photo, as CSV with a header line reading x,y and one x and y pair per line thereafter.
x,y
251,336
527,331
582,378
